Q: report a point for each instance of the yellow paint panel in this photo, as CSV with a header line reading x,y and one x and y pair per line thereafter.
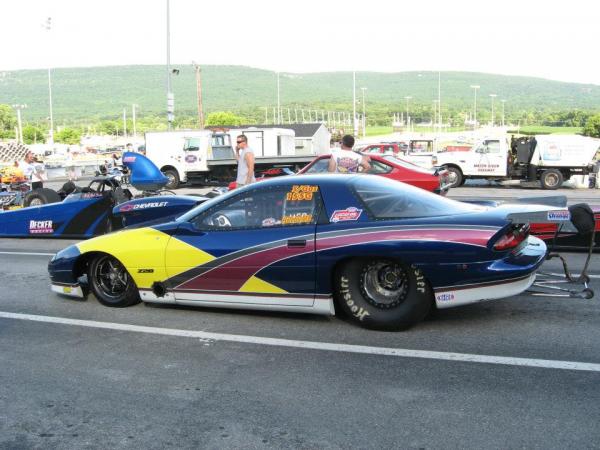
x,y
141,248
182,256
255,284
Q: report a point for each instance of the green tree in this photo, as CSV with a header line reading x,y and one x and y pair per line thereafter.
x,y
8,121
68,136
592,126
223,118
32,134
108,127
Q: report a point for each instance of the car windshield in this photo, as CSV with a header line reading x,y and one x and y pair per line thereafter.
x,y
388,199
406,164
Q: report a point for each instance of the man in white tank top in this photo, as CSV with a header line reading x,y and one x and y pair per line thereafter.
x,y
344,160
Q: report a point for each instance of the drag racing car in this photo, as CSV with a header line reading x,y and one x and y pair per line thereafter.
x,y
82,212
384,253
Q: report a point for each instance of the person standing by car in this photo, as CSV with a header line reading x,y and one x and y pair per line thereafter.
x,y
33,171
345,160
245,159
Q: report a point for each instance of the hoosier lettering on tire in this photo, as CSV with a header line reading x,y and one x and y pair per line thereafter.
x,y
382,294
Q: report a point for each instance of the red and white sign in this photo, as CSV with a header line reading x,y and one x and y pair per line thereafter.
x,y
343,215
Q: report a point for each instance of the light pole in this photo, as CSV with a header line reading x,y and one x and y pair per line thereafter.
x,y
278,99
124,122
475,87
503,102
407,98
133,119
354,122
493,96
48,26
170,96
199,95
364,117
18,108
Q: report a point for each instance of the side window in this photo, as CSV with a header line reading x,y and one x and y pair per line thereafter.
x,y
493,146
320,166
264,208
379,167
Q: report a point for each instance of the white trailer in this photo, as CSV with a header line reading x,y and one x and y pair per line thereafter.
x,y
207,157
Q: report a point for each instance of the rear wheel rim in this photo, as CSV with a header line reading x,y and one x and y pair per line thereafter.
x,y
551,179
384,284
36,202
111,277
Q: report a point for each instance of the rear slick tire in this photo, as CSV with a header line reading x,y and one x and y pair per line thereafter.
x,y
382,294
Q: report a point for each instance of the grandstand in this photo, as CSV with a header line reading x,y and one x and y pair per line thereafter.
x,y
11,152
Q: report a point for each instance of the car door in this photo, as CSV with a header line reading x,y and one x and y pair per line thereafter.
x,y
254,248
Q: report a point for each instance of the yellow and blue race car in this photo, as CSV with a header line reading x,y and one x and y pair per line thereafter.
x,y
381,251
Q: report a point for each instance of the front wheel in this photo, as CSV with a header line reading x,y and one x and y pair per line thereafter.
x,y
111,283
173,177
382,294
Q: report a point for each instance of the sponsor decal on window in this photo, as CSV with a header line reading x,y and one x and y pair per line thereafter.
x,y
559,215
296,218
343,215
445,297
40,227
270,221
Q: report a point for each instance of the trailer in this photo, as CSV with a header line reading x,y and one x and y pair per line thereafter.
x,y
207,157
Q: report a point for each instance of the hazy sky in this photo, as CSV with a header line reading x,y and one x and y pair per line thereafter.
x,y
550,39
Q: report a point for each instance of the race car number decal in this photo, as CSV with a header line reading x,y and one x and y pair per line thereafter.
x,y
559,215
301,193
342,215
40,227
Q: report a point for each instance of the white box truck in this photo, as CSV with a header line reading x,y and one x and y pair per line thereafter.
x,y
207,157
546,160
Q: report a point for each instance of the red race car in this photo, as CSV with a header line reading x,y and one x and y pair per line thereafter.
x,y
388,166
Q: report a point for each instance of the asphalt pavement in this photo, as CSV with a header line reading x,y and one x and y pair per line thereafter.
x,y
521,372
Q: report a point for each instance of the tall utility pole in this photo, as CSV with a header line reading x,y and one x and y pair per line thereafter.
x,y
199,95
278,100
503,102
48,27
18,108
493,96
475,87
440,99
364,116
133,119
170,96
407,98
354,122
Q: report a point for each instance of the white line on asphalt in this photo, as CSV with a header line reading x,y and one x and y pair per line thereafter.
x,y
27,253
311,345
